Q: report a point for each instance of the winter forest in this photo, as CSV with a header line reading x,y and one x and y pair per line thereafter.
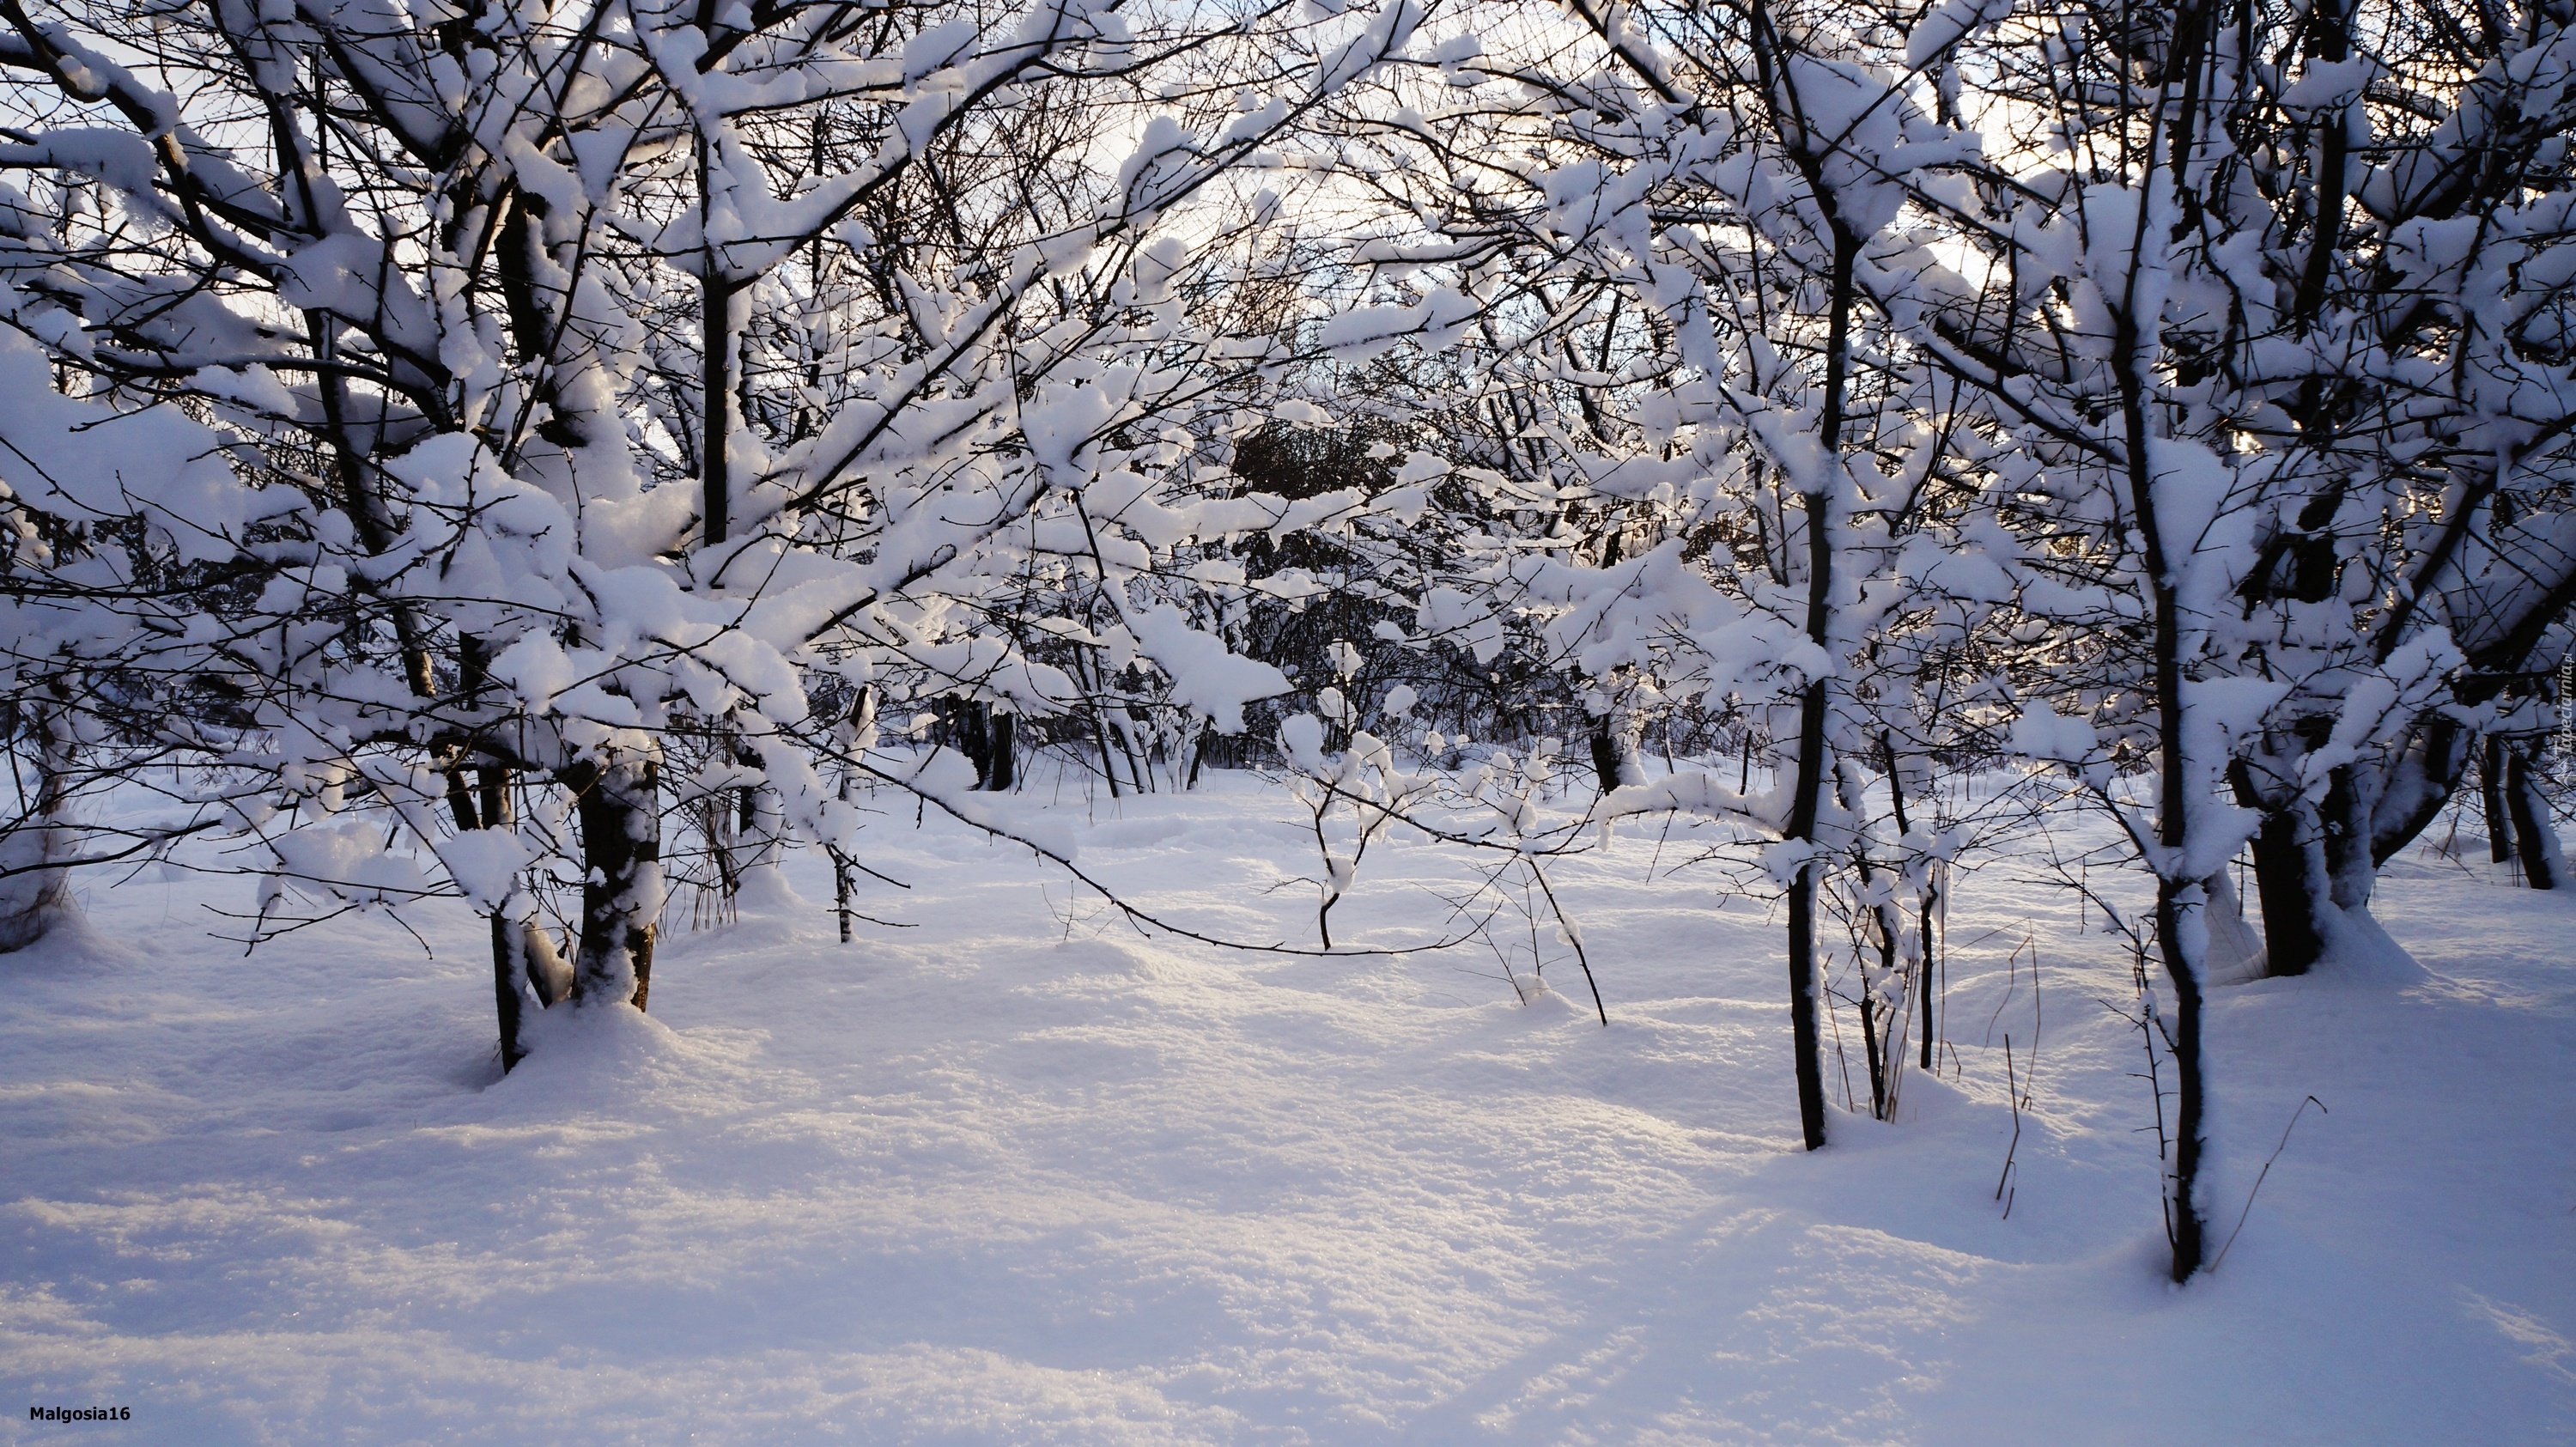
x,y
1288,720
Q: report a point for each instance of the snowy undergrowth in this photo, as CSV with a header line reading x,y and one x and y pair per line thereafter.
x,y
1018,1174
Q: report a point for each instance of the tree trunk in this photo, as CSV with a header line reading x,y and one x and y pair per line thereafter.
x,y
509,996
516,983
843,883
760,828
1803,1038
2535,834
35,891
1923,983
487,806
1879,1053
621,896
2289,883
1807,792
2183,1216
2352,872
2177,896
1869,1047
1805,798
1001,770
2500,829
2416,786
2235,951
963,726
1614,752
526,968
1925,902
1605,755
716,371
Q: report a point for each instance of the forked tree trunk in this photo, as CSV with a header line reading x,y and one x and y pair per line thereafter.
x,y
621,895
486,805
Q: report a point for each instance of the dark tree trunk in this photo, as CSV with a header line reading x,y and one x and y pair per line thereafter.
x,y
2417,786
512,979
2500,826
487,806
716,376
1877,1051
1605,756
1803,1038
1881,1065
621,896
2183,1204
508,996
1108,764
2289,881
2352,872
842,885
1001,769
1930,897
844,875
1807,792
1923,967
2183,1199
1805,798
1869,1046
2535,837
2174,801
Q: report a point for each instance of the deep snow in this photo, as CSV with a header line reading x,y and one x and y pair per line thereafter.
x,y
1019,1175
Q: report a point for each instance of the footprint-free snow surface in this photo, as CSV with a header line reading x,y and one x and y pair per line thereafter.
x,y
1017,1173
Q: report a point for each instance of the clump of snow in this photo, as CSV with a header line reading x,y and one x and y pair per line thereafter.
x,y
1205,674
484,862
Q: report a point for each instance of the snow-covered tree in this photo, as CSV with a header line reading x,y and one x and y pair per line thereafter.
x,y
120,525
638,369
2129,367
1684,262
2246,430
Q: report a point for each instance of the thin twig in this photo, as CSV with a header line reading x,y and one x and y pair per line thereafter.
x,y
2267,1170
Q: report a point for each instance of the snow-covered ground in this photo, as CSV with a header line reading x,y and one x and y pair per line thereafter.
x,y
1020,1175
